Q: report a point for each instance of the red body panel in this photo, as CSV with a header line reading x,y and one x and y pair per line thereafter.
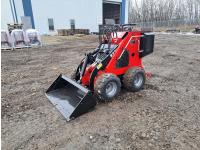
x,y
130,43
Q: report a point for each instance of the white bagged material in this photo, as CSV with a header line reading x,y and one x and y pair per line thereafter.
x,y
33,37
19,38
6,42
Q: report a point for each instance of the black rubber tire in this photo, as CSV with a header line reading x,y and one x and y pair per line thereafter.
x,y
101,84
129,77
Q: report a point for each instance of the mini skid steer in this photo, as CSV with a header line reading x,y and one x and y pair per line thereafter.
x,y
116,62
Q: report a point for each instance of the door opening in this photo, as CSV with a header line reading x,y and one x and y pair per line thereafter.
x,y
111,11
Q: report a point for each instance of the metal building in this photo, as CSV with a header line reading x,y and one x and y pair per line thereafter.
x,y
49,15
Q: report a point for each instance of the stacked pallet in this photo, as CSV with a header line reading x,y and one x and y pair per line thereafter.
x,y
67,32
81,31
14,26
64,32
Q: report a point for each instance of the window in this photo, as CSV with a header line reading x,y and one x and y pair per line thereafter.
x,y
72,24
51,24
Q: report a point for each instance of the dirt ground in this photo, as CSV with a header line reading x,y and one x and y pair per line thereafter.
x,y
165,115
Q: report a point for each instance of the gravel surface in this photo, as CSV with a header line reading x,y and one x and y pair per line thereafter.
x,y
164,115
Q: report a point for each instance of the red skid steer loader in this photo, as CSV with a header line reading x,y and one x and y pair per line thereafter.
x,y
100,75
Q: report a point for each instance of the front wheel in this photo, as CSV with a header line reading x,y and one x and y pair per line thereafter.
x,y
107,86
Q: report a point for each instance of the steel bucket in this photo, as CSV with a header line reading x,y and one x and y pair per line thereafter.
x,y
70,98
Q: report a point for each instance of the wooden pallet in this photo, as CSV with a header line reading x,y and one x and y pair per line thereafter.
x,y
67,32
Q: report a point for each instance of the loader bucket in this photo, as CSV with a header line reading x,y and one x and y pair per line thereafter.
x,y
70,98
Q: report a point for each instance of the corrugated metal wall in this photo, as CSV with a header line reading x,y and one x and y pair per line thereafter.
x,y
86,13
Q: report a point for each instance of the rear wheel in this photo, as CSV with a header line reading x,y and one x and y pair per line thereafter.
x,y
107,86
134,79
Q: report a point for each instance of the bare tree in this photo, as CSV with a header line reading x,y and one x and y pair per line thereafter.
x,y
161,10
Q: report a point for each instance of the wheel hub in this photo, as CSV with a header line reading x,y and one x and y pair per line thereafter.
x,y
138,79
111,89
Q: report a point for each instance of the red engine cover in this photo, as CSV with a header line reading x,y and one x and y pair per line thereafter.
x,y
126,41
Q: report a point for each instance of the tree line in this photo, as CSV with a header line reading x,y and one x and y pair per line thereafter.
x,y
163,10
